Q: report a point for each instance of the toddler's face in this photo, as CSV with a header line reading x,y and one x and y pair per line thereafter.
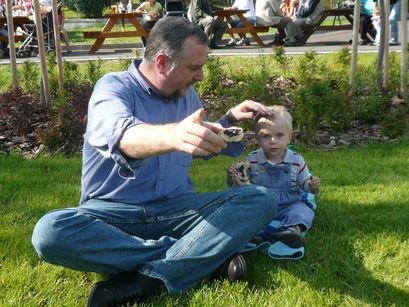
x,y
273,140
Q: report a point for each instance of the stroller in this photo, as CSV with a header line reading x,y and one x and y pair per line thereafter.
x,y
29,46
175,8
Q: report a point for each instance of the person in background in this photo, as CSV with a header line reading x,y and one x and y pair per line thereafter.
x,y
366,26
61,21
200,12
269,14
140,220
308,13
3,28
289,7
250,15
284,173
394,18
151,11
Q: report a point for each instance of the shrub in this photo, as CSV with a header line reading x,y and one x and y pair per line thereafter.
x,y
29,74
213,77
90,8
316,103
19,112
63,132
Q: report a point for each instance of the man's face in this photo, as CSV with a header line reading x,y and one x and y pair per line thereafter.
x,y
188,71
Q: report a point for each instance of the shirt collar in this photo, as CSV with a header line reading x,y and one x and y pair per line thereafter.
x,y
261,157
143,82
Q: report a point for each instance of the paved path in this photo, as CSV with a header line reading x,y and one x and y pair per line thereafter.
x,y
321,42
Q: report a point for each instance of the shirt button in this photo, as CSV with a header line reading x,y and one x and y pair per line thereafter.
x,y
161,178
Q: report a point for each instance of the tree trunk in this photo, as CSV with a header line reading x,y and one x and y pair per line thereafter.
x,y
381,48
404,54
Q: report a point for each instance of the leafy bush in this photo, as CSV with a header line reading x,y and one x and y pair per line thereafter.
x,y
318,102
29,74
90,8
214,74
63,132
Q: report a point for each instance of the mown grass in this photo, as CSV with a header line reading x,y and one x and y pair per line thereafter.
x,y
357,252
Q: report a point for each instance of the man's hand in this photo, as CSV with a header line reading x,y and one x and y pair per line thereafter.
x,y
248,109
196,137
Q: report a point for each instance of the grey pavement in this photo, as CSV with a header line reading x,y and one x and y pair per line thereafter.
x,y
320,42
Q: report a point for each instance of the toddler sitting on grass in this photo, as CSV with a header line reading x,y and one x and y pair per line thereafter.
x,y
284,172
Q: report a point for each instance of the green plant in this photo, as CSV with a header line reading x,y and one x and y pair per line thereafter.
x,y
93,71
63,132
395,122
29,74
72,74
308,68
213,77
90,8
280,57
318,102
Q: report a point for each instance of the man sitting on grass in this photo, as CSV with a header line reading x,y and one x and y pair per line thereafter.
x,y
139,219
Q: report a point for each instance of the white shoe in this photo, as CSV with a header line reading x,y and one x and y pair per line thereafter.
x,y
232,42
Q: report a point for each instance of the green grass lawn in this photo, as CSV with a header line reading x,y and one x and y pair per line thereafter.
x,y
357,253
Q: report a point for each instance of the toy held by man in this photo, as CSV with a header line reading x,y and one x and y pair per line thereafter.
x,y
232,134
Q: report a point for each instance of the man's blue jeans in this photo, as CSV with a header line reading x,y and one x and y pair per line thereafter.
x,y
179,240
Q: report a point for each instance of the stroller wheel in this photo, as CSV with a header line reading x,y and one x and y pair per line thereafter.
x,y
21,54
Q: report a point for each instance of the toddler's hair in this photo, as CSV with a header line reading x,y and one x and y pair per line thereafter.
x,y
280,117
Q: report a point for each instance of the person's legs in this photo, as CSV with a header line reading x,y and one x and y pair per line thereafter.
x,y
64,35
218,30
179,241
366,28
207,25
394,19
244,40
293,29
295,214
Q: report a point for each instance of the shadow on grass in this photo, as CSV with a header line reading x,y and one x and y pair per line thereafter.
x,y
335,255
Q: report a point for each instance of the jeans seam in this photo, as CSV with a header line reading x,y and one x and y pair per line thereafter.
x,y
200,232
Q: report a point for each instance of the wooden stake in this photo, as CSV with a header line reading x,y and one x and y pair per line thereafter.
x,y
355,30
12,46
57,40
41,50
404,53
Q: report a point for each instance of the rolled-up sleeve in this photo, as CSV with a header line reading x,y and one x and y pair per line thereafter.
x,y
110,114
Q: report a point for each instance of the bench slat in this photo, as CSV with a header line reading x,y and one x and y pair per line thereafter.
x,y
99,34
17,38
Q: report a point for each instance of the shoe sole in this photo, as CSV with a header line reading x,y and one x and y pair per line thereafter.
x,y
234,269
237,269
292,240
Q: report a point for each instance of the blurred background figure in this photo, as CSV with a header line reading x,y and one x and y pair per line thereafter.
x,y
366,26
250,15
61,21
394,18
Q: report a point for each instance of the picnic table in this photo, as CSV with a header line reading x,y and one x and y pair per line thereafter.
x,y
248,27
107,32
18,21
336,22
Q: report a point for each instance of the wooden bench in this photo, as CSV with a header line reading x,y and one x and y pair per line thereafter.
x,y
247,27
99,34
106,31
336,13
17,38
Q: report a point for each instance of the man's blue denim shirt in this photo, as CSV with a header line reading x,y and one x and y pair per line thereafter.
x,y
119,101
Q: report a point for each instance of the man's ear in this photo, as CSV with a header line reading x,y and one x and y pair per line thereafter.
x,y
161,62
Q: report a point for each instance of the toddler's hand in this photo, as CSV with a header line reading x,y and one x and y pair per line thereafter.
x,y
314,184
